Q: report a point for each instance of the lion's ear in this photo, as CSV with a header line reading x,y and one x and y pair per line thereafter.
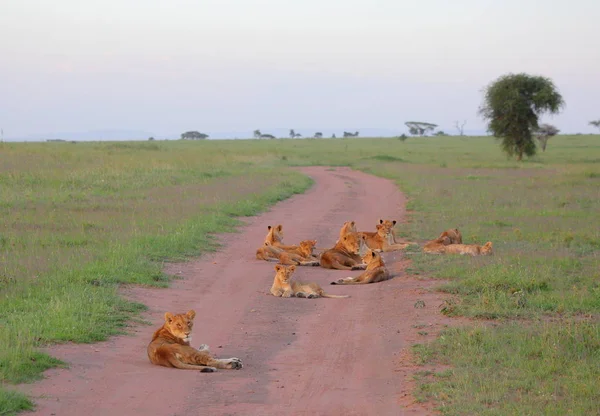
x,y
380,221
278,267
373,253
191,314
168,317
268,227
394,222
352,223
292,268
279,227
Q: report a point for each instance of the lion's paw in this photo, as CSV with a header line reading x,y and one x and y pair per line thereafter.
x,y
235,363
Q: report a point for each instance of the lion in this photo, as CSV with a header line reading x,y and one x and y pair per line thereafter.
x,y
390,224
284,287
376,271
170,347
380,239
437,245
348,227
345,254
305,249
275,238
453,234
470,249
268,252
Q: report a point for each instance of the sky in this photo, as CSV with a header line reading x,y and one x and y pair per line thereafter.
x,y
166,67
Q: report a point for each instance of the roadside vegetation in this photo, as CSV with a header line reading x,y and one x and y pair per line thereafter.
x,y
80,219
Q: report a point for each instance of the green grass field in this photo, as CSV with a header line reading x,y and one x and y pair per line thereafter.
x,y
80,219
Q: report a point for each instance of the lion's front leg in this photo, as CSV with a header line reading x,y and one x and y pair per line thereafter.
x,y
288,293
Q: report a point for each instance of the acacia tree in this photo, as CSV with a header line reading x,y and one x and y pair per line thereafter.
x,y
460,127
193,135
318,135
544,133
595,123
512,106
419,128
256,134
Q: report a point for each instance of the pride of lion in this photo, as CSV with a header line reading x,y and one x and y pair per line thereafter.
x,y
354,250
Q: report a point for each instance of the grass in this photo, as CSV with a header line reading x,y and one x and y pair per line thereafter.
x,y
12,403
81,219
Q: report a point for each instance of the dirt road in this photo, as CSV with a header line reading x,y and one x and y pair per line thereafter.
x,y
301,356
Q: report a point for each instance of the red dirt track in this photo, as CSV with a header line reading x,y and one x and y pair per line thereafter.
x,y
301,356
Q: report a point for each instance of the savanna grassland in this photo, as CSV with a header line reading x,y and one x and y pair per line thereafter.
x,y
81,219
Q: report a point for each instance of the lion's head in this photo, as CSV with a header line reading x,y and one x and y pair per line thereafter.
x,y
283,274
371,257
486,249
353,242
388,223
307,246
180,325
453,234
275,234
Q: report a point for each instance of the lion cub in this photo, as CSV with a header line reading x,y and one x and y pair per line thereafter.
x,y
390,224
269,252
470,249
376,271
170,347
380,239
284,287
450,236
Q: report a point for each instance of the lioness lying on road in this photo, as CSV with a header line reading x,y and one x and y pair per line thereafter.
x,y
345,255
275,238
268,252
376,271
380,239
170,347
284,287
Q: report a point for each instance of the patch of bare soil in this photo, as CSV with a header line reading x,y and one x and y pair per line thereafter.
x,y
301,356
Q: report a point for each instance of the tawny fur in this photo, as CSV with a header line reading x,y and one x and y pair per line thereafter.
x,y
453,234
450,236
284,287
469,249
170,347
390,224
275,238
347,228
437,245
376,271
269,252
380,239
345,255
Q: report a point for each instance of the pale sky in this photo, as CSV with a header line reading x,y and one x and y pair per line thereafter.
x,y
233,65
